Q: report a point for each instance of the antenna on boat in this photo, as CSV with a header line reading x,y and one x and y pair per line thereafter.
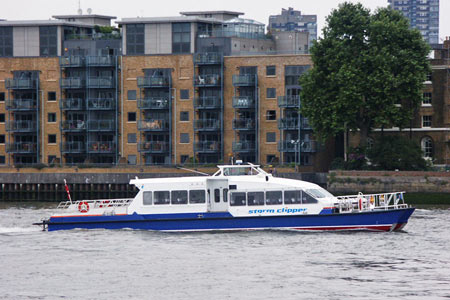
x,y
193,171
67,190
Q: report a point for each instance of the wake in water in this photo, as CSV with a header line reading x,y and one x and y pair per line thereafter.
x,y
6,230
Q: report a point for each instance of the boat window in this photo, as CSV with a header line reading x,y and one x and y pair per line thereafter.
x,y
274,198
307,198
161,197
239,171
233,186
237,199
255,198
216,195
147,198
225,195
319,193
292,197
197,196
179,197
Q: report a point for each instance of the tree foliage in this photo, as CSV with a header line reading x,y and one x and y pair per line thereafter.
x,y
364,65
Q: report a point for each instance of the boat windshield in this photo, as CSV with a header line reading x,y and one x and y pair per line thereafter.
x,y
319,193
239,171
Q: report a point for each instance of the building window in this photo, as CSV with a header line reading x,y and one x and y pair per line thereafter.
x,y
184,94
131,95
51,159
48,41
427,146
427,98
271,115
429,77
131,138
135,39
184,116
271,137
2,95
271,93
52,138
2,118
131,117
131,159
426,121
2,160
271,71
51,117
181,38
2,139
184,138
271,158
51,96
184,159
6,41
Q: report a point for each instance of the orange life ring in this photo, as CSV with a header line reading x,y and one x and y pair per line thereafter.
x,y
83,207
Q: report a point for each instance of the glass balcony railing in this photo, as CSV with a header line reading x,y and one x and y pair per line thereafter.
x,y
100,82
210,102
244,146
73,125
101,125
153,125
153,147
72,104
243,102
21,104
101,147
207,146
206,125
154,103
100,103
20,84
155,81
22,147
101,61
71,61
297,146
293,123
21,126
207,80
72,83
244,80
209,58
289,101
244,124
73,147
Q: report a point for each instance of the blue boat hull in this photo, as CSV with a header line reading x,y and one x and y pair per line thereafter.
x,y
383,220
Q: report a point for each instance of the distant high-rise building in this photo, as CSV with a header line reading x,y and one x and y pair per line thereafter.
x,y
422,14
293,20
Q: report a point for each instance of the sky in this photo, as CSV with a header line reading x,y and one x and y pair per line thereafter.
x,y
259,10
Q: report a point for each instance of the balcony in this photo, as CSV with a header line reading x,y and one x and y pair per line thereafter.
x,y
21,126
289,101
207,146
101,125
153,82
293,123
101,147
207,80
72,104
153,125
73,126
154,103
100,103
244,80
73,147
244,124
20,84
21,148
211,102
101,61
245,146
153,147
101,82
209,58
243,102
72,83
71,61
295,146
206,125
21,104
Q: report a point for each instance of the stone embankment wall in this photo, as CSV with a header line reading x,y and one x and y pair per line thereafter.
x,y
351,182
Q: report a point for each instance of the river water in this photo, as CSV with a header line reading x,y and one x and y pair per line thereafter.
x,y
126,264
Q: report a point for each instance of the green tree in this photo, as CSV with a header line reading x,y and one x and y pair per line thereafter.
x,y
363,66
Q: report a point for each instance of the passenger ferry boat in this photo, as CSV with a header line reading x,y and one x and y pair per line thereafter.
x,y
236,197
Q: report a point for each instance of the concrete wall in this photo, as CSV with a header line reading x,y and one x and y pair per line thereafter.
x,y
26,41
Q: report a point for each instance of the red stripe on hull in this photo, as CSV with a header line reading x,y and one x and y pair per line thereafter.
x,y
368,227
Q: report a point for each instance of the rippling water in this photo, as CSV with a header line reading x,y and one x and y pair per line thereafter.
x,y
125,264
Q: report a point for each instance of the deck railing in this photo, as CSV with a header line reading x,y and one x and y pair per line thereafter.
x,y
368,202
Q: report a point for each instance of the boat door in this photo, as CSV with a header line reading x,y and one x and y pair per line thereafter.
x,y
217,194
